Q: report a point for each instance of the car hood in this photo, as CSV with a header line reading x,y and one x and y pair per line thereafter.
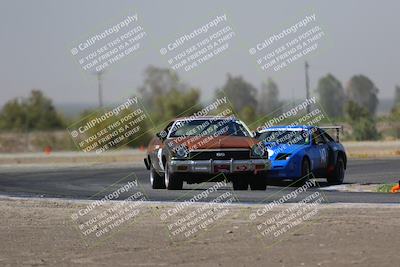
x,y
210,142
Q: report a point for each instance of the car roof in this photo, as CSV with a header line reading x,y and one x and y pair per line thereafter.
x,y
287,128
206,118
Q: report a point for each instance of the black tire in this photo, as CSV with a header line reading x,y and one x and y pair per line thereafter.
x,y
337,176
305,172
239,182
258,182
172,180
258,185
156,180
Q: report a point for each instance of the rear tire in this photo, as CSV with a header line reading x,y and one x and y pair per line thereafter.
x,y
156,180
258,182
239,182
337,176
172,180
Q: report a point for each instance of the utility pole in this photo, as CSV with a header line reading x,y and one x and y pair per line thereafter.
x,y
100,87
306,66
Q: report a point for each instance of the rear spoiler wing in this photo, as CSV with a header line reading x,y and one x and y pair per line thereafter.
x,y
337,128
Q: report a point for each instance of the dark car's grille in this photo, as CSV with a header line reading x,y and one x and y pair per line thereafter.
x,y
219,154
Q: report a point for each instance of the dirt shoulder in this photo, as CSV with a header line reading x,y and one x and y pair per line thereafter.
x,y
73,158
42,233
373,149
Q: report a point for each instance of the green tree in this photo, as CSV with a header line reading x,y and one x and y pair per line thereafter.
x,y
177,103
395,121
395,113
354,111
363,123
13,116
269,97
396,103
363,91
157,83
331,95
41,113
239,92
34,113
248,114
166,97
365,129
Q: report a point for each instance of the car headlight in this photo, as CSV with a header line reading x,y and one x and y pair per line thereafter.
x,y
270,152
283,156
259,151
181,152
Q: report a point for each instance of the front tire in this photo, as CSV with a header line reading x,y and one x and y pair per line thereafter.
x,y
156,180
337,176
172,180
305,172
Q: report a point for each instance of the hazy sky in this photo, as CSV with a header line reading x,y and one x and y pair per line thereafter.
x,y
362,37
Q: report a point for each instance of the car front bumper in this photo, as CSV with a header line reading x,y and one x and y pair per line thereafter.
x,y
218,166
284,170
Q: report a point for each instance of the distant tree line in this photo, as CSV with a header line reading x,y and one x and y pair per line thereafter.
x,y
36,112
357,102
166,96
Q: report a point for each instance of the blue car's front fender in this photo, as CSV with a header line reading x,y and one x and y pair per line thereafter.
x,y
287,169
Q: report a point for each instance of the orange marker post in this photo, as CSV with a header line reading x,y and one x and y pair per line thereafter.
x,y
48,150
395,188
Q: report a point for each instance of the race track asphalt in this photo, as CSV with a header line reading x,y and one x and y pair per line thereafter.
x,y
99,181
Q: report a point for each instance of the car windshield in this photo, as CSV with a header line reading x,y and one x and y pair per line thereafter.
x,y
285,137
208,128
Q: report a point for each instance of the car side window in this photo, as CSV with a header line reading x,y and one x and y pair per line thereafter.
x,y
318,137
242,130
168,127
327,137
307,137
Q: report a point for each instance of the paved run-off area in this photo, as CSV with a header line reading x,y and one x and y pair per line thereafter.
x,y
42,233
95,181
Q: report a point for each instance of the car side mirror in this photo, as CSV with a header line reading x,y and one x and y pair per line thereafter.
x,y
256,134
161,135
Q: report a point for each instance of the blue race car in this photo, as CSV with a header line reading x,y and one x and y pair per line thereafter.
x,y
298,152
